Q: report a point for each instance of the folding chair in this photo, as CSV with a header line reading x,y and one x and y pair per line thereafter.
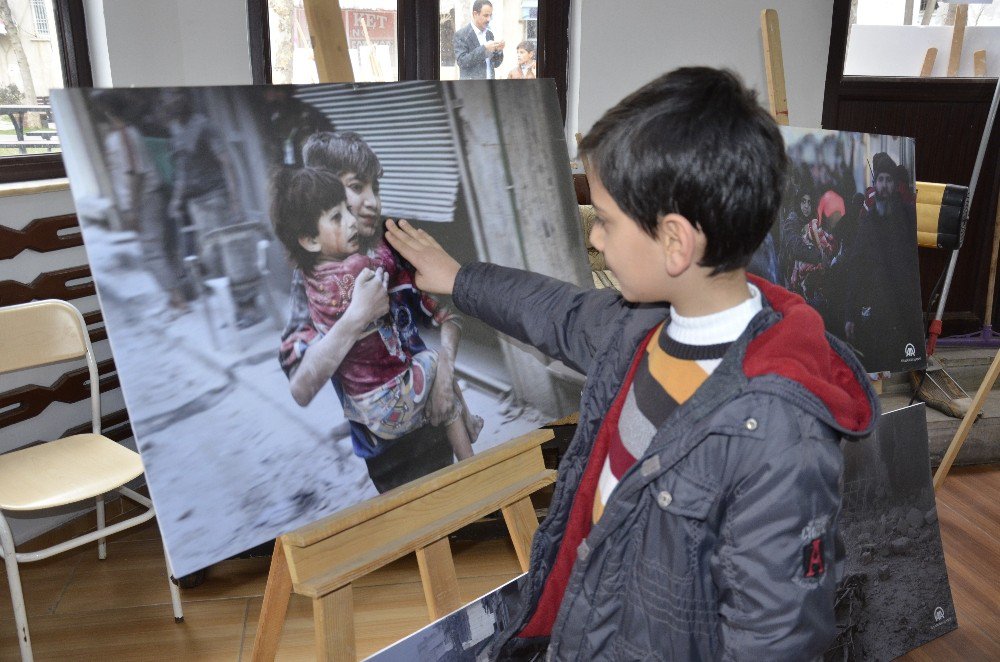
x,y
72,469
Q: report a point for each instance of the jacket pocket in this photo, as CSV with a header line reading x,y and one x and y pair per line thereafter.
x,y
678,494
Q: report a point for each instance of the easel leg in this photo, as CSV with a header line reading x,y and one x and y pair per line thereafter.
x,y
522,524
437,574
333,618
277,593
966,426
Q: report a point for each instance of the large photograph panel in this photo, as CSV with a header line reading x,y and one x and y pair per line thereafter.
x,y
234,235
895,594
846,240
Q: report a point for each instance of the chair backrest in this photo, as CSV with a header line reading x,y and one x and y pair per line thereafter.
x,y
41,333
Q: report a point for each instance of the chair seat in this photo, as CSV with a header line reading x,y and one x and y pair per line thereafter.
x,y
65,471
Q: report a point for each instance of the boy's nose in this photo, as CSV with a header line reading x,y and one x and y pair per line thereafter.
x,y
597,238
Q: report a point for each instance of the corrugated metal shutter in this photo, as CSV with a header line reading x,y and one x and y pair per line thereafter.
x,y
407,126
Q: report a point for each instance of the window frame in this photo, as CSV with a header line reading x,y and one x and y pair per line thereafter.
x,y
876,87
74,53
419,42
42,28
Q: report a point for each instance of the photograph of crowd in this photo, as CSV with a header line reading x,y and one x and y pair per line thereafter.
x,y
277,360
846,241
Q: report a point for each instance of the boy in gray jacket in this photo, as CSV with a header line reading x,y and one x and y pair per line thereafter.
x,y
695,513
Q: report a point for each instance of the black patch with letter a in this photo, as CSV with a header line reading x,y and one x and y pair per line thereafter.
x,y
812,558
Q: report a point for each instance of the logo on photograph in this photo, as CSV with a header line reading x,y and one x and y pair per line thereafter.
x,y
939,618
910,352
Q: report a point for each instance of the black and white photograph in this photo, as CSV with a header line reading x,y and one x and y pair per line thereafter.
x,y
465,635
277,360
895,594
846,241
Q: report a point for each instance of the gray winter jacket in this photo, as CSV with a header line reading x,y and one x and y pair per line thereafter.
x,y
721,542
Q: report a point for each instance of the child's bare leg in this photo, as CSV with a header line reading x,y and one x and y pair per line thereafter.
x,y
458,437
473,424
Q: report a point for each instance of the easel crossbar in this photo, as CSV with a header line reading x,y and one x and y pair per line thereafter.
x,y
362,512
344,564
430,509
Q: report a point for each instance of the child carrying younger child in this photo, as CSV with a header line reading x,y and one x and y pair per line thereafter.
x,y
384,386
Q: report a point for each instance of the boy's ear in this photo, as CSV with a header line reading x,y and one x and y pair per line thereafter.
x,y
680,243
311,244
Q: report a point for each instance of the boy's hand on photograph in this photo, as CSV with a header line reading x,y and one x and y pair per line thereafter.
x,y
435,269
371,296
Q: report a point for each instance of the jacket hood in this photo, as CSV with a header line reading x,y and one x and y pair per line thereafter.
x,y
798,348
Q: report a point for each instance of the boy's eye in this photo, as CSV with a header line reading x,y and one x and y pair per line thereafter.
x,y
357,188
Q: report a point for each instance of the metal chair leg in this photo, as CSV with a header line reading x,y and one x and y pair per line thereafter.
x,y
102,543
175,595
16,594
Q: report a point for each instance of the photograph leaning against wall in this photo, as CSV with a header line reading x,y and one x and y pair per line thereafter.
x,y
277,361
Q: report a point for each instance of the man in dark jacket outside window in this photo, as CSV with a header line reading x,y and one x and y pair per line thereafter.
x,y
477,52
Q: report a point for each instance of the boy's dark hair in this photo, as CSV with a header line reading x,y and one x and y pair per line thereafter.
x,y
341,153
694,142
527,45
477,6
299,196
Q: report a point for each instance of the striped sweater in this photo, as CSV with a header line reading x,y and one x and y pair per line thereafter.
x,y
677,360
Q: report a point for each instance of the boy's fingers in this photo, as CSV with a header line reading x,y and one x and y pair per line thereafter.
x,y
428,239
420,236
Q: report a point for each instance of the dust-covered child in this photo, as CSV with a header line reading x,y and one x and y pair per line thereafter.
x,y
384,386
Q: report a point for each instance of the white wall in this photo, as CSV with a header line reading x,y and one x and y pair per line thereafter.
x,y
168,42
628,43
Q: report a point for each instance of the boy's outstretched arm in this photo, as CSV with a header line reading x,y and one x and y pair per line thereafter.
x,y
562,320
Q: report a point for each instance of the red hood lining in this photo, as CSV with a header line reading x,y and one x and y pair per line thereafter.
x,y
796,348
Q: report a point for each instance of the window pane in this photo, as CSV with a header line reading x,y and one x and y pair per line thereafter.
x,y
892,37
29,68
513,23
371,35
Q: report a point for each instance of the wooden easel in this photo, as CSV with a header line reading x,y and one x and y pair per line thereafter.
x,y
774,65
322,560
329,41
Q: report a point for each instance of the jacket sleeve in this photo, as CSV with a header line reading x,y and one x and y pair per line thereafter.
x,y
775,565
563,321
467,55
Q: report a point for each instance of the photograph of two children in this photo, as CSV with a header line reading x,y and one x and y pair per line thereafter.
x,y
277,360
